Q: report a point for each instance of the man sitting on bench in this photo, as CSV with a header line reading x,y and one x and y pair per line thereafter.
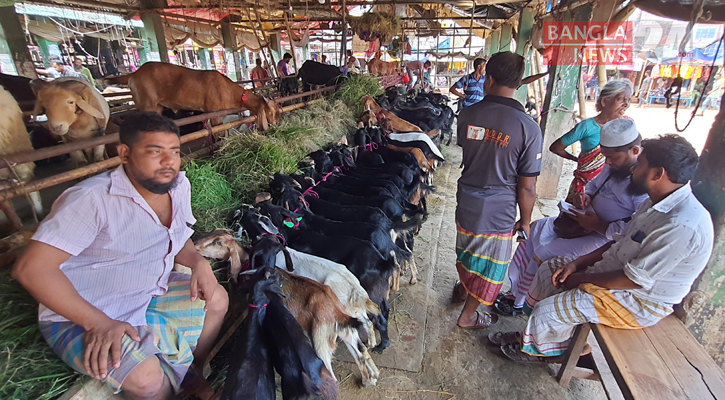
x,y
633,281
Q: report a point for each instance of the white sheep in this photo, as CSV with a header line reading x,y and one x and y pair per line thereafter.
x,y
14,138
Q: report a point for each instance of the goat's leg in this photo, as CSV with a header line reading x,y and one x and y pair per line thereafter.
x,y
368,370
323,340
37,203
9,210
381,323
413,268
99,153
78,158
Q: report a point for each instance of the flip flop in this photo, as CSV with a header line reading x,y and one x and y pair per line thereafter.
x,y
514,353
507,309
504,338
483,320
502,297
456,296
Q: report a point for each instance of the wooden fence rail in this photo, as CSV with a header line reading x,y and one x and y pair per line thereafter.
x,y
29,187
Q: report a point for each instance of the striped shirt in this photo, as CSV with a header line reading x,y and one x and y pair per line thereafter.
x,y
121,254
474,88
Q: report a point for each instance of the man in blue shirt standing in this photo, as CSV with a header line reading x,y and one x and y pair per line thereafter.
x,y
472,84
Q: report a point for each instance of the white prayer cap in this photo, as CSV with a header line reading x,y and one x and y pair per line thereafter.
x,y
618,132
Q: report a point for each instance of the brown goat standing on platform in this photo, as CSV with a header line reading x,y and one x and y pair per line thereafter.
x,y
14,138
156,85
393,122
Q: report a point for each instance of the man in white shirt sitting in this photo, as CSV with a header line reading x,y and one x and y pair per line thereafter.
x,y
633,281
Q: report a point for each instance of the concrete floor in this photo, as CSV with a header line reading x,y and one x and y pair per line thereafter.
x,y
454,362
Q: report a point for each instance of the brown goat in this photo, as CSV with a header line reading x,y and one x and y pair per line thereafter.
x,y
156,85
379,67
393,122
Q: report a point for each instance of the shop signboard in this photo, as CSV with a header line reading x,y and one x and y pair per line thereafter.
x,y
6,65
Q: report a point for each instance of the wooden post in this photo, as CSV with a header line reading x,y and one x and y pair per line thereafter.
x,y
506,38
155,34
708,322
557,116
229,36
13,43
343,43
291,44
524,48
495,42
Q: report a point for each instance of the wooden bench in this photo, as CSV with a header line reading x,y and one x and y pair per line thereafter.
x,y
663,361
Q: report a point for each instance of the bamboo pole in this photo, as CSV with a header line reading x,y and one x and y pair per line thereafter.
x,y
34,186
291,42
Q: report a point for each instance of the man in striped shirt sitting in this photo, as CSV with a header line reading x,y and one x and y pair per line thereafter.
x,y
101,265
471,84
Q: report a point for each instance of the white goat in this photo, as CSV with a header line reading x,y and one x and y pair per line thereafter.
x,y
14,138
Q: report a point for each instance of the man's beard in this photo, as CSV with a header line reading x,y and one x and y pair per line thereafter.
x,y
620,174
152,185
636,188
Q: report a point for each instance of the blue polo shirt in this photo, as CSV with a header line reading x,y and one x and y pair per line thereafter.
x,y
474,89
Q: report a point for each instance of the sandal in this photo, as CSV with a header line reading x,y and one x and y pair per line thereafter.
x,y
504,338
456,296
514,353
483,320
507,309
502,296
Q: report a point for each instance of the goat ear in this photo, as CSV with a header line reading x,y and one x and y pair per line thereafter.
x,y
268,273
288,260
235,260
343,140
85,106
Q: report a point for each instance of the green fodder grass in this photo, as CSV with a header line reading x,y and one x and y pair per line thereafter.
x,y
354,88
246,159
29,369
212,197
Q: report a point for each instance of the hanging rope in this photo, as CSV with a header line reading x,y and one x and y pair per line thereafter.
x,y
696,14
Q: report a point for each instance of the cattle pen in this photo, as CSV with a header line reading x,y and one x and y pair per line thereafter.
x,y
319,145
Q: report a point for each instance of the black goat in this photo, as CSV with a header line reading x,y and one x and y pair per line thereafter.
x,y
250,373
292,200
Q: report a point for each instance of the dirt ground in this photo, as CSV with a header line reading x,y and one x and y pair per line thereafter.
x,y
453,362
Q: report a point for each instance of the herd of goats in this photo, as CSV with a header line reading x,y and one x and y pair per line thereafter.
x,y
328,244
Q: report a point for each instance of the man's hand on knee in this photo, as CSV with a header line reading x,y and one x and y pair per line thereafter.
x,y
102,338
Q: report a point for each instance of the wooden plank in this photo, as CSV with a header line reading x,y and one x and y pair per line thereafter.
x,y
636,365
695,371
605,372
572,355
584,373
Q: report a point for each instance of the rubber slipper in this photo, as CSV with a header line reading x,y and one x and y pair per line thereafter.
x,y
514,353
504,338
508,310
483,320
456,295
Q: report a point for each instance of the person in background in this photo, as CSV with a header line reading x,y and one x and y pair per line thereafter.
x,y
613,101
66,71
633,281
502,158
352,59
644,90
283,68
258,73
675,88
471,84
713,96
592,86
416,68
78,67
324,60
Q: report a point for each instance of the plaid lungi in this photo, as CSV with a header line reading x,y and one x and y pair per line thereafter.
x,y
589,166
554,318
173,326
482,261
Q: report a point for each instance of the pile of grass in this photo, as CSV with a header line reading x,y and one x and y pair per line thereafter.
x,y
28,367
214,197
354,88
376,25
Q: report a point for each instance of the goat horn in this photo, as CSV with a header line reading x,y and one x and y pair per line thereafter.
x,y
249,272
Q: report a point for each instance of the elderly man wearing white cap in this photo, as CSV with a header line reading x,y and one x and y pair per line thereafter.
x,y
634,280
583,227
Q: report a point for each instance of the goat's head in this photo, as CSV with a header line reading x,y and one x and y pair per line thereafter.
x,y
221,245
293,200
267,284
280,182
257,225
264,254
66,103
